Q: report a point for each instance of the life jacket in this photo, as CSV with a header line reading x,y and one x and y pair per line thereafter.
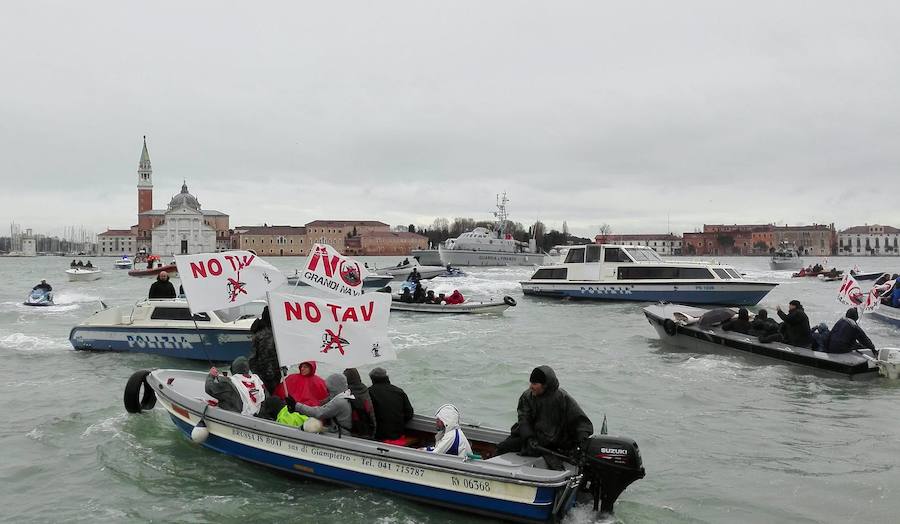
x,y
251,390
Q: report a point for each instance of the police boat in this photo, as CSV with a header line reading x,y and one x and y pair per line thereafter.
x,y
637,273
506,486
699,329
167,327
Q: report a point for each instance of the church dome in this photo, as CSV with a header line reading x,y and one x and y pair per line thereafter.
x,y
184,199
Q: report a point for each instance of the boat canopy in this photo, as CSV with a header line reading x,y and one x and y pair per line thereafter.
x,y
618,254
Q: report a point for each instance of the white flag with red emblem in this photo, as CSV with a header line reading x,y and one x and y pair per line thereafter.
x,y
849,293
328,270
346,333
222,280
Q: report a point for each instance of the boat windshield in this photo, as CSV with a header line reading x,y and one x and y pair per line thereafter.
x,y
251,310
643,254
733,273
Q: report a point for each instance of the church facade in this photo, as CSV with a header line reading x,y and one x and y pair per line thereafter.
x,y
183,228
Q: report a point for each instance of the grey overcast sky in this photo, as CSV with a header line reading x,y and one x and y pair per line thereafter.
x,y
625,113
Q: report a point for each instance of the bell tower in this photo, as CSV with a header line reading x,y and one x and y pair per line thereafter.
x,y
145,181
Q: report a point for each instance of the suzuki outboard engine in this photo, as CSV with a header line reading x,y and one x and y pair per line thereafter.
x,y
609,465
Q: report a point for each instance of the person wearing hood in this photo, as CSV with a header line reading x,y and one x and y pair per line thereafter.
x,y
305,387
242,392
548,417
162,288
392,408
846,335
449,439
363,415
43,286
456,297
336,414
741,324
263,357
762,325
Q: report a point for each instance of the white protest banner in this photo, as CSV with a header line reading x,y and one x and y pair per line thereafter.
x,y
345,332
221,280
849,293
328,270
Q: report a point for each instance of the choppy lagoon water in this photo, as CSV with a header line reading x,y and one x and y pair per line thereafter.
x,y
724,438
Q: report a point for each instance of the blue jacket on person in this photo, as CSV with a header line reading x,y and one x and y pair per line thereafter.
x,y
895,295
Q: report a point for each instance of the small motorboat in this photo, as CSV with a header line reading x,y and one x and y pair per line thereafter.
x,y
39,297
491,306
123,263
166,327
786,257
859,277
508,486
402,271
83,274
887,314
371,281
171,269
681,325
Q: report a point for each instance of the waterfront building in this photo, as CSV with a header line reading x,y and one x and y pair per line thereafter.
x,y
116,242
336,232
734,239
874,240
268,240
384,243
815,240
666,244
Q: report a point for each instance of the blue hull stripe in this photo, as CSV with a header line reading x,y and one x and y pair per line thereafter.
x,y
727,298
218,345
450,499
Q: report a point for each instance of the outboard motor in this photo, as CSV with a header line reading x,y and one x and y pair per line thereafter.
x,y
609,465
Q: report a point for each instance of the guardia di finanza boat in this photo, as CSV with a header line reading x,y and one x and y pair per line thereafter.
x,y
637,273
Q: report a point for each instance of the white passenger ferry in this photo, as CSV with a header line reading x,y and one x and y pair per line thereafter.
x,y
637,273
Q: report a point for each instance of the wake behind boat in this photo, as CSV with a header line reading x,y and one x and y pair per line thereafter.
x,y
166,327
507,486
637,273
683,326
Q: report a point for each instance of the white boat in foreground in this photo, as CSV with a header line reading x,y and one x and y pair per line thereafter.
x,y
79,274
887,314
637,273
491,306
507,486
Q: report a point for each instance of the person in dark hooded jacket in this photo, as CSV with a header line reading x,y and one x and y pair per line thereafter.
x,y
741,324
846,335
263,357
392,407
795,326
363,412
548,417
762,325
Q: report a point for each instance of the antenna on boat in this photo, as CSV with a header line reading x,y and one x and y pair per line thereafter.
x,y
500,214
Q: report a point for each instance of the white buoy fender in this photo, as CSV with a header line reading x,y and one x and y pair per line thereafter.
x,y
200,432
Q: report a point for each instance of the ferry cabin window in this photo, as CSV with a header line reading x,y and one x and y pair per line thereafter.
x,y
671,273
614,254
722,273
575,256
177,313
550,274
733,273
592,254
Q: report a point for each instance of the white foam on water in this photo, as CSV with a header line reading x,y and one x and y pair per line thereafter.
x,y
111,425
23,342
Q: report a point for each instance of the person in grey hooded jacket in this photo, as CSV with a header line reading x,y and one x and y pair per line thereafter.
x,y
336,411
547,417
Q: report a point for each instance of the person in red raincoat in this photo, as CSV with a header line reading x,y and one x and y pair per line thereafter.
x,y
305,387
456,297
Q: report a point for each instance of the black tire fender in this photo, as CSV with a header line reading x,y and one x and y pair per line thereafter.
x,y
509,301
670,327
134,401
